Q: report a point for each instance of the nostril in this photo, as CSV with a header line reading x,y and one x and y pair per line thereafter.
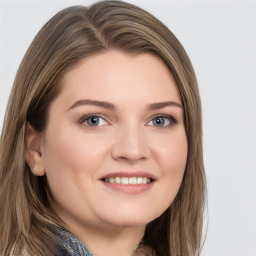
x,y
130,153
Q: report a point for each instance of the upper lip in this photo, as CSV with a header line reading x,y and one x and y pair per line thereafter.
x,y
129,174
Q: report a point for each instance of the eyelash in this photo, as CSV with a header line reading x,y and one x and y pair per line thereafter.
x,y
171,120
86,118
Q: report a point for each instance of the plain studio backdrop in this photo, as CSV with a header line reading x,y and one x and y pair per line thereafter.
x,y
219,37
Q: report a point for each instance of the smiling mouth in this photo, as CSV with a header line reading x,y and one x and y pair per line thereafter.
x,y
128,180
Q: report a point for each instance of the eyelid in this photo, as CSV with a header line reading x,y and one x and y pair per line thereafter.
x,y
172,119
85,117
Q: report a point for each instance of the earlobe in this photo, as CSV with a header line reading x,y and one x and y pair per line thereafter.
x,y
38,170
33,152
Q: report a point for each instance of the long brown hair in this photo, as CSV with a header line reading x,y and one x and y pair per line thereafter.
x,y
27,222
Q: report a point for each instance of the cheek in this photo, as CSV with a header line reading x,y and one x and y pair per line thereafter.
x,y
172,153
172,159
62,152
175,158
71,164
71,160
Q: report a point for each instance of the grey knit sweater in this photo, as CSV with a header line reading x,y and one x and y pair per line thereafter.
x,y
71,246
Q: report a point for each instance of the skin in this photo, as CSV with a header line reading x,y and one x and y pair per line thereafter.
x,y
75,155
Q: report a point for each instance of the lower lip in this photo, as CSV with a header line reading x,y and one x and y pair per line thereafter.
x,y
130,189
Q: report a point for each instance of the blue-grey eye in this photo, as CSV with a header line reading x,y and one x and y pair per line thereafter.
x,y
159,121
162,121
95,121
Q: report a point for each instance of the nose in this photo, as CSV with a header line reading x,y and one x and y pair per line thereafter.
x,y
130,144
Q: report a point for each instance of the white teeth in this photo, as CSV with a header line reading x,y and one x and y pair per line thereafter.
x,y
130,181
111,180
144,180
139,180
124,180
117,180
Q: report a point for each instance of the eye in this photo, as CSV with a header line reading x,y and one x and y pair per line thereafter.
x,y
162,121
93,120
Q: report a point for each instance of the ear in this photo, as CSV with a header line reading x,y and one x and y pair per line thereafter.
x,y
33,153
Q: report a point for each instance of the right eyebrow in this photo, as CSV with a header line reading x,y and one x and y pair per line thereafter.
x,y
84,102
159,105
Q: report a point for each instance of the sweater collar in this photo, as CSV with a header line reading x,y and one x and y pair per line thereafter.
x,y
72,245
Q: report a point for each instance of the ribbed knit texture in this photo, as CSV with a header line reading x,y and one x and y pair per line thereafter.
x,y
71,246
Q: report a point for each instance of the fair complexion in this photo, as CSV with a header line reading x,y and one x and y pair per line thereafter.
x,y
117,120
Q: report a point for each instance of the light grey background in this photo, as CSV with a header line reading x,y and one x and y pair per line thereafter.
x,y
219,37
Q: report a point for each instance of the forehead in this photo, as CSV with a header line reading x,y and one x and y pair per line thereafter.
x,y
117,75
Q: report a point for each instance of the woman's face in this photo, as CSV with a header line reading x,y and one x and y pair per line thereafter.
x,y
115,148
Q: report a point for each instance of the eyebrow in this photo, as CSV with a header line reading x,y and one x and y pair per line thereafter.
x,y
110,106
160,105
102,104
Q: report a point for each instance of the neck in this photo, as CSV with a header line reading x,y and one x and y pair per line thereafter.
x,y
111,241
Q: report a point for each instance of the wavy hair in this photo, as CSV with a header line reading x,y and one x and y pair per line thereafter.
x,y
27,222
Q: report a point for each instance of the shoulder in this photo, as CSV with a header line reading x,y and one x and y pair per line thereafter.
x,y
63,252
70,245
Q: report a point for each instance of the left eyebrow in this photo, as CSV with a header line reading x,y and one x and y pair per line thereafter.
x,y
102,104
160,105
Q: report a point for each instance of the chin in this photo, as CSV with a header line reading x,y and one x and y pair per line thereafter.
x,y
132,219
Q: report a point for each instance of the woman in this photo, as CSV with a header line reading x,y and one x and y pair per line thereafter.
x,y
101,148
